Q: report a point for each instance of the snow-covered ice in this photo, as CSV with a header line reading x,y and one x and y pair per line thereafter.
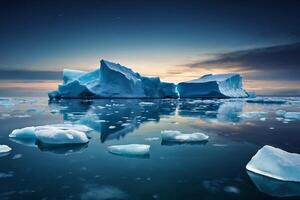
x,y
177,136
4,149
276,163
111,80
54,134
218,85
130,149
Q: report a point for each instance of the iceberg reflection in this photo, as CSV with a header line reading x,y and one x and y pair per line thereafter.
x,y
275,187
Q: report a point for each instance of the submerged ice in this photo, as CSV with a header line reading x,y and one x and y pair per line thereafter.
x,y
276,163
113,80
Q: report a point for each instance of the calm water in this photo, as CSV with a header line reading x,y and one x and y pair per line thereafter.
x,y
214,170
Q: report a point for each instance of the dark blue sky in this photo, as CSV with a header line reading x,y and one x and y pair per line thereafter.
x,y
153,37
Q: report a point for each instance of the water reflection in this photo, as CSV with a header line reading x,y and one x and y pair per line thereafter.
x,y
114,118
275,187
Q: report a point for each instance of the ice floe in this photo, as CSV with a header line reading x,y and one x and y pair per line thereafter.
x,y
130,149
178,137
253,115
292,115
4,150
276,163
54,134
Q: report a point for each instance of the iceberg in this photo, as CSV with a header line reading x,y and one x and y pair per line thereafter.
x,y
111,80
276,163
178,137
140,150
57,134
210,86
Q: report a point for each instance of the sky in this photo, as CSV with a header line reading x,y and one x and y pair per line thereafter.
x,y
176,40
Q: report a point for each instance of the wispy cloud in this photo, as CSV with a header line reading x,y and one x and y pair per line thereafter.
x,y
280,62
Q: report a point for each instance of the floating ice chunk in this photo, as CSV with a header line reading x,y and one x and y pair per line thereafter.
x,y
54,134
276,163
4,149
24,133
146,103
292,115
130,149
253,115
152,138
266,100
280,113
177,136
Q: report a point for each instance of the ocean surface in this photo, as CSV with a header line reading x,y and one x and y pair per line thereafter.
x,y
237,129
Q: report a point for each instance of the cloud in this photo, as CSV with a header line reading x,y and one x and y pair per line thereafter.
x,y
281,62
30,75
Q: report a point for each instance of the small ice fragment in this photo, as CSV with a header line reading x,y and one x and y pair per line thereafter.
x,y
177,136
130,149
280,113
152,138
112,127
146,103
4,149
262,119
276,163
253,115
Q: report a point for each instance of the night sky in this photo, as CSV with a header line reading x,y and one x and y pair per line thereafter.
x,y
176,40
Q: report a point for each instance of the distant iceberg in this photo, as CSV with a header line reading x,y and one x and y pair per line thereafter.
x,y
213,86
276,163
113,80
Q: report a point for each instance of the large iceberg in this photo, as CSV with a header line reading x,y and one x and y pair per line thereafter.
x,y
276,163
112,80
210,86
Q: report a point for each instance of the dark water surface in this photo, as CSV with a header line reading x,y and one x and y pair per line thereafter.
x,y
212,170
